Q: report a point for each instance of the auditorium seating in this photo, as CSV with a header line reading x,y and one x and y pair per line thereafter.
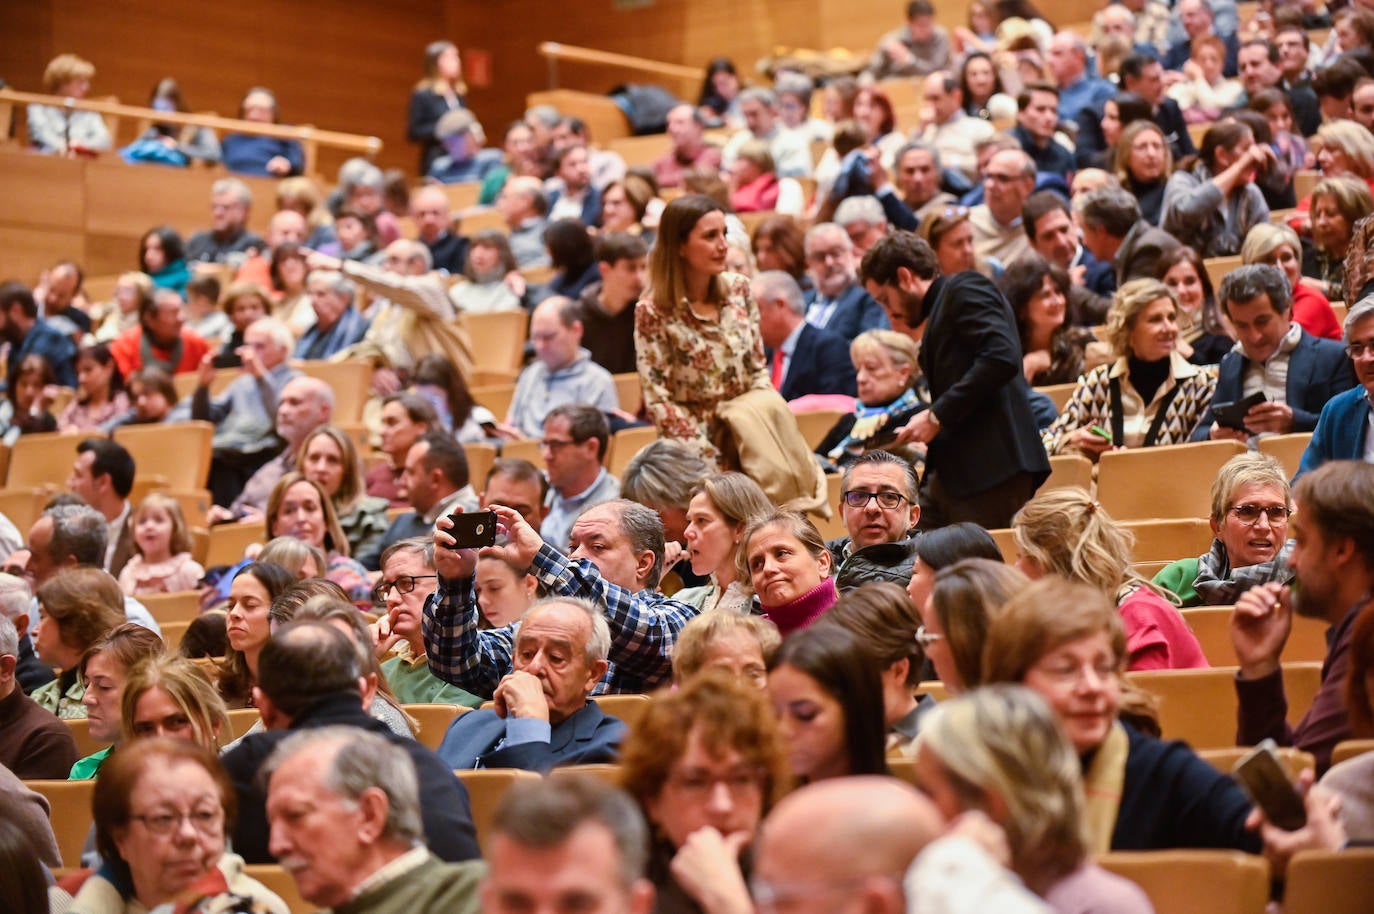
x,y
1286,449
80,729
1331,882
179,452
1199,706
1212,626
1347,749
181,606
1161,482
433,720
69,811
485,788
1194,881
282,884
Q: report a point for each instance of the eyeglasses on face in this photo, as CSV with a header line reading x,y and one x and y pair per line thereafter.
x,y
404,583
205,821
891,501
1250,514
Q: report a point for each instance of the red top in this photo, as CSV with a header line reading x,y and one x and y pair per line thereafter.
x,y
758,196
127,349
1312,311
1157,638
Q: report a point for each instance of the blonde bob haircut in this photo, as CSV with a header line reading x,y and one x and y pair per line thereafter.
x,y
190,690
1352,139
798,525
697,637
1131,299
1265,238
1067,533
1122,156
1003,742
899,348
1249,469
65,68
1351,195
335,543
667,272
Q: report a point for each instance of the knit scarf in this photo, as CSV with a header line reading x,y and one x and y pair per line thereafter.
x,y
1102,785
870,420
801,612
150,358
1219,584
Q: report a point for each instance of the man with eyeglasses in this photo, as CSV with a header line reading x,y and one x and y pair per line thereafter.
x,y
880,511
408,578
838,304
574,446
1343,428
1008,180
244,414
1298,373
1333,561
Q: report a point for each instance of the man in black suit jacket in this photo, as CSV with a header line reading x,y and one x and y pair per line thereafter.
x,y
984,458
1114,233
308,676
839,303
1144,75
803,359
543,717
1257,301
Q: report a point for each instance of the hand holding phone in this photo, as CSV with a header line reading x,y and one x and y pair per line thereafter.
x,y
473,531
1262,776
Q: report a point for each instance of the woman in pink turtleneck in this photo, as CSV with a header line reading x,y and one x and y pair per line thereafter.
x,y
786,560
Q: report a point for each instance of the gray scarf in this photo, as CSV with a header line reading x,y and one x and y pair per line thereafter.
x,y
1219,584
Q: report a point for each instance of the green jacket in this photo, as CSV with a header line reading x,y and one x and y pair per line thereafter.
x,y
1178,577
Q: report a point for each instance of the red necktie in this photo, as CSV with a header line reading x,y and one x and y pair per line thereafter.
x,y
777,368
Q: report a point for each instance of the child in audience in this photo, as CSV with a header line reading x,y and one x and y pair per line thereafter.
x,y
162,563
203,314
24,408
100,395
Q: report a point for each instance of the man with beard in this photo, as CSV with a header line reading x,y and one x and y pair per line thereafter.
x,y
161,339
984,458
1333,560
28,334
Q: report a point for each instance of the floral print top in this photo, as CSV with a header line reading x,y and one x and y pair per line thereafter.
x,y
688,366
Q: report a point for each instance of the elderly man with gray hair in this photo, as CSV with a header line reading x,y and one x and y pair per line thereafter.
x,y
344,809
803,358
16,601
543,717
1342,431
1114,233
790,150
338,322
228,239
839,303
34,744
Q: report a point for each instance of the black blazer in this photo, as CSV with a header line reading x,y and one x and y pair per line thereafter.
x,y
972,359
1318,370
855,312
588,737
820,365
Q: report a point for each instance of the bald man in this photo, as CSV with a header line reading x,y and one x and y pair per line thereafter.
x,y
891,820
429,208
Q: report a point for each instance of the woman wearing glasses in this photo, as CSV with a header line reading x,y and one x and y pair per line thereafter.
x,y
1064,640
408,578
1250,508
890,387
163,808
1065,532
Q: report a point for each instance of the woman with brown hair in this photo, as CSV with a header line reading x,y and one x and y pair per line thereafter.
x,y
440,91
966,597
705,763
105,668
76,608
299,507
1211,202
1203,339
327,457
779,244
1064,640
788,566
696,328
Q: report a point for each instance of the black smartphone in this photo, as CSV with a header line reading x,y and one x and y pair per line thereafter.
x,y
1263,777
1232,415
473,531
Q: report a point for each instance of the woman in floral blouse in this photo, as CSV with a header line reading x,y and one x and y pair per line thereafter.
x,y
696,328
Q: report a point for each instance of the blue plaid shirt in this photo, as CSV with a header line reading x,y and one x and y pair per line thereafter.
x,y
644,626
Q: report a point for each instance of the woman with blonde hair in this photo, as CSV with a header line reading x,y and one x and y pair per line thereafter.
x,y
697,337
1345,150
786,561
1278,245
741,646
440,91
999,750
890,386
1143,162
1149,395
1337,204
327,457
1063,639
53,129
719,510
171,696
1066,532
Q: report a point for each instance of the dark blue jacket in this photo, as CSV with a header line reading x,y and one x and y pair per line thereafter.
x,y
1340,432
249,155
588,737
591,205
856,312
820,365
1318,370
43,339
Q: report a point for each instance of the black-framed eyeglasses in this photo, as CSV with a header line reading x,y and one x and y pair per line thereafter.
x,y
404,584
1250,514
891,501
